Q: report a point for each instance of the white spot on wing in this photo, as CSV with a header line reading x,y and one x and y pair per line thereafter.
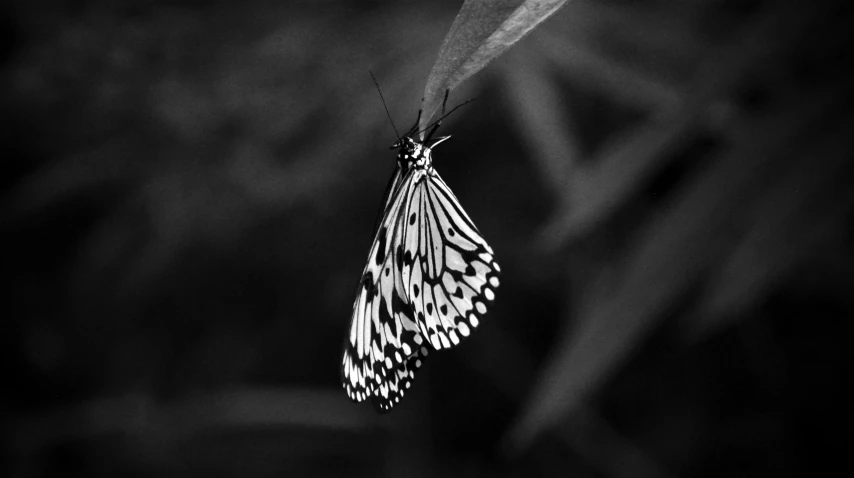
x,y
473,320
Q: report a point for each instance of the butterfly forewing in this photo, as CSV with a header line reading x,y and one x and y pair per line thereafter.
x,y
427,284
453,274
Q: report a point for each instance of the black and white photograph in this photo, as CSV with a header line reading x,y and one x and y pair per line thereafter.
x,y
413,238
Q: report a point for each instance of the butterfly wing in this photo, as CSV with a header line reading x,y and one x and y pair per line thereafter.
x,y
397,381
384,339
448,268
429,277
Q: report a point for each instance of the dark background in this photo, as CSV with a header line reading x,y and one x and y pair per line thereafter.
x,y
189,190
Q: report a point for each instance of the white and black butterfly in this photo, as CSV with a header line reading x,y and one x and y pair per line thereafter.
x,y
428,282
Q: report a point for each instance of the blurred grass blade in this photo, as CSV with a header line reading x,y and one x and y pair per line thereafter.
x,y
671,256
773,247
482,31
549,133
623,165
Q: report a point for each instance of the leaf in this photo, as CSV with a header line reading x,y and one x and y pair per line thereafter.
x,y
482,31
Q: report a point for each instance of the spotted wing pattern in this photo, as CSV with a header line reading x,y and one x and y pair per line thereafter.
x,y
448,268
426,286
383,335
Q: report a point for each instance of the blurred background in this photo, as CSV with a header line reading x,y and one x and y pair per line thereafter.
x,y
189,192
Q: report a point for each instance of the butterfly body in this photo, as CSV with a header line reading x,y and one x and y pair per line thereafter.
x,y
426,286
411,154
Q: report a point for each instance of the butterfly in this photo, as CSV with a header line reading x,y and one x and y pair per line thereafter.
x,y
427,284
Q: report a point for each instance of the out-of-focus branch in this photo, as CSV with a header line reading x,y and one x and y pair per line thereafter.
x,y
670,255
628,161
144,417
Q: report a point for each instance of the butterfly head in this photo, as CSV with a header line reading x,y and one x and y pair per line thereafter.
x,y
412,153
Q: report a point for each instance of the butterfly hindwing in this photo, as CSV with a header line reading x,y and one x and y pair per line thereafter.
x,y
397,381
383,332
400,331
366,344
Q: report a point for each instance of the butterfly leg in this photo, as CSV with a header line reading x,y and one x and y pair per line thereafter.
x,y
430,134
439,140
415,126
445,101
438,123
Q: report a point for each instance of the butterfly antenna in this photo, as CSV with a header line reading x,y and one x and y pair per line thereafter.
x,y
386,107
435,123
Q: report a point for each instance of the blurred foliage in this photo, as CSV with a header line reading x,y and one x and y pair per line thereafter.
x,y
190,189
